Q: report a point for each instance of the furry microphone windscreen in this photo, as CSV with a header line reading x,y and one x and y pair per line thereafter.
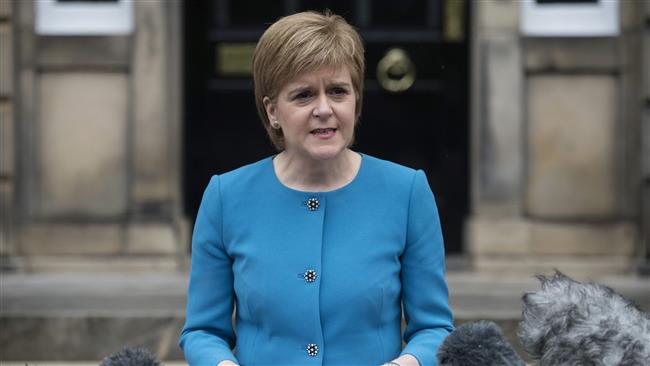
x,y
479,343
131,357
572,323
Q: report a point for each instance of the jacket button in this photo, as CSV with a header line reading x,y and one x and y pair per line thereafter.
x,y
312,349
310,275
313,204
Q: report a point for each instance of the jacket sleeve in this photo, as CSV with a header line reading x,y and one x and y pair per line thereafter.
x,y
424,290
207,337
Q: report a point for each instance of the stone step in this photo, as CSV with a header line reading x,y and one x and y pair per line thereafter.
x,y
66,317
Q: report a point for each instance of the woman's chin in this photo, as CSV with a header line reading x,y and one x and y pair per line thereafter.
x,y
327,152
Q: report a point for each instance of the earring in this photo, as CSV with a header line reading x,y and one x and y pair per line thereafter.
x,y
275,125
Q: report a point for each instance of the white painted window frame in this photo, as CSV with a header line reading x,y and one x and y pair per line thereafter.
x,y
570,20
57,18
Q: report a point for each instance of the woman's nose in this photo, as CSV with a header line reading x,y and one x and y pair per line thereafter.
x,y
323,109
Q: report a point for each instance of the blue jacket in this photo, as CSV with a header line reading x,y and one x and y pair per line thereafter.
x,y
318,278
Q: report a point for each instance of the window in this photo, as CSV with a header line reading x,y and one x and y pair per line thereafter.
x,y
569,18
84,17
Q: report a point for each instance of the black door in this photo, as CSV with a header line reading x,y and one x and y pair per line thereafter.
x,y
415,104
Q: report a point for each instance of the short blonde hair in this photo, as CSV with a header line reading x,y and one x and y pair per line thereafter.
x,y
300,43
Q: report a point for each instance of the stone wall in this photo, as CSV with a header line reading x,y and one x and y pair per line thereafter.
x,y
555,146
99,184
556,163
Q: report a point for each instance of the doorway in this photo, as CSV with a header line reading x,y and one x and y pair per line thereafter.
x,y
416,98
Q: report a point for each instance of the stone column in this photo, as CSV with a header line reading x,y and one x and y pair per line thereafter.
x,y
645,138
7,166
496,226
156,224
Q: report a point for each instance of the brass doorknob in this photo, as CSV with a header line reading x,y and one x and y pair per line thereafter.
x,y
395,71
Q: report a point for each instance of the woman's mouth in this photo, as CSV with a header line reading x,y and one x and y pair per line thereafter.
x,y
324,133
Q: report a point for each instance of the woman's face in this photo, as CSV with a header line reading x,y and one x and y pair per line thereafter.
x,y
316,111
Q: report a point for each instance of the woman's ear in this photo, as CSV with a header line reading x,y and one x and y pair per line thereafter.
x,y
269,106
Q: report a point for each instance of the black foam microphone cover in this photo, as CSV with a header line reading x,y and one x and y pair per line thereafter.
x,y
131,357
479,343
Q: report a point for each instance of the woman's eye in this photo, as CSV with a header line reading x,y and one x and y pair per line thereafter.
x,y
303,95
339,91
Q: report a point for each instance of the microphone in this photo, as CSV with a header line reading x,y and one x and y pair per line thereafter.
x,y
131,357
479,343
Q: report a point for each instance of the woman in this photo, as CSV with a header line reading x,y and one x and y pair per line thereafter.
x,y
318,246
